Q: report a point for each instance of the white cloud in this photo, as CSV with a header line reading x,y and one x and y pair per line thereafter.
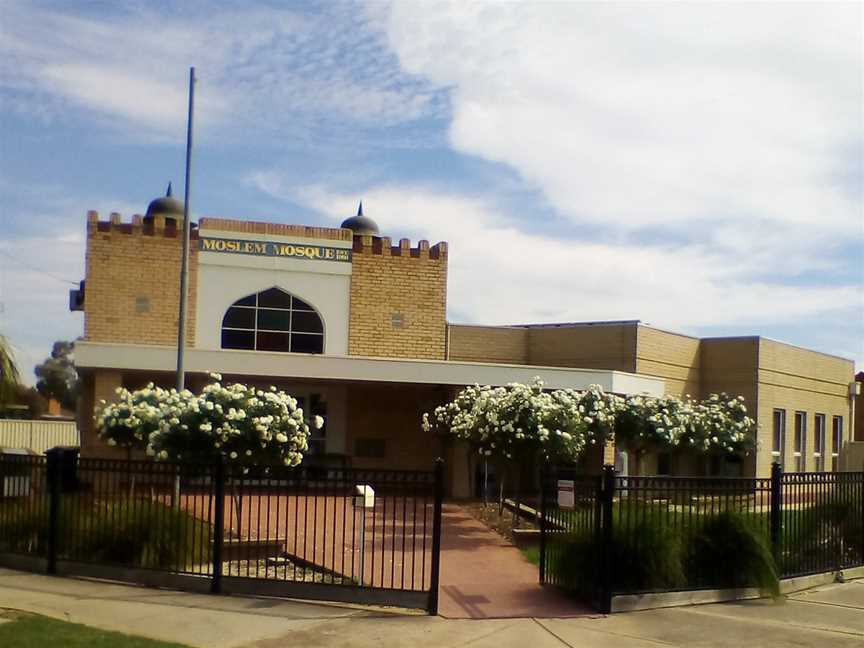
x,y
653,114
34,294
39,264
499,275
261,70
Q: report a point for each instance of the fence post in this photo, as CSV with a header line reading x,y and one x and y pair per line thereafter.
x,y
607,494
53,476
435,570
218,525
776,509
544,478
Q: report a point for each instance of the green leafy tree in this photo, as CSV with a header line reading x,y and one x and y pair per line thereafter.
x,y
57,377
9,376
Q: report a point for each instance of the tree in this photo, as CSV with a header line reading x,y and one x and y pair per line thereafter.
x,y
9,376
57,377
519,422
240,424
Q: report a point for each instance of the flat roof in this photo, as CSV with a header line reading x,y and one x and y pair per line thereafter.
x,y
140,357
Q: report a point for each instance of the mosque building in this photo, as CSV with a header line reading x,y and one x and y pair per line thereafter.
x,y
354,325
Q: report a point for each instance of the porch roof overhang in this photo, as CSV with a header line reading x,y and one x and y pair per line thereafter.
x,y
302,366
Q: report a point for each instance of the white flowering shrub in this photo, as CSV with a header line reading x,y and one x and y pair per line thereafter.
x,y
717,424
516,421
245,425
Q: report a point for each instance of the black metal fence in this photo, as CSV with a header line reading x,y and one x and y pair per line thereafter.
x,y
609,535
330,534
821,516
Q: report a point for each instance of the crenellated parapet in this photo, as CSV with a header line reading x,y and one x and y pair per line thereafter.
x,y
383,246
153,226
133,279
398,298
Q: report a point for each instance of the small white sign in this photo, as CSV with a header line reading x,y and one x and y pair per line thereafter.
x,y
566,496
364,496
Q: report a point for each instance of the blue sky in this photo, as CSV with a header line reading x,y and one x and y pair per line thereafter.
x,y
696,166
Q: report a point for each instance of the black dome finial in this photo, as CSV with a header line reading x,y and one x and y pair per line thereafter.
x,y
361,225
166,205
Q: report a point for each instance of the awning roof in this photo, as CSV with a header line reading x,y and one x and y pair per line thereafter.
x,y
139,357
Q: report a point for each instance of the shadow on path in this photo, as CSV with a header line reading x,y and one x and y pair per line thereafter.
x,y
485,577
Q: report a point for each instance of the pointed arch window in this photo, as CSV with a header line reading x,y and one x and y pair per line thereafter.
x,y
273,320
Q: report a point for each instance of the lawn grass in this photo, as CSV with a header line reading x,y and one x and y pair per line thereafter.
x,y
532,554
33,631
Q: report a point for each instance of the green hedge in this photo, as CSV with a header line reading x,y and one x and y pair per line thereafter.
x,y
730,551
648,553
827,534
134,532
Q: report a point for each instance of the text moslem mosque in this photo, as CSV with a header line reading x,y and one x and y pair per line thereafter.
x,y
354,326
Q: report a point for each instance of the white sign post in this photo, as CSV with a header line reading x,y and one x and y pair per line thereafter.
x,y
566,496
364,498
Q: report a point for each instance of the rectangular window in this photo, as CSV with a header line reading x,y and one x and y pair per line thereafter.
x,y
317,438
370,448
800,450
778,436
819,443
836,442
664,463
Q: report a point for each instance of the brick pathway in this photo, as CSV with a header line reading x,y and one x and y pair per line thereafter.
x,y
484,577
325,530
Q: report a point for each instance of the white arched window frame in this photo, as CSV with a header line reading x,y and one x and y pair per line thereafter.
x,y
273,320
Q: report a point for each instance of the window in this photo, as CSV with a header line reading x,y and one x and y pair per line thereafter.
x,y
370,448
778,436
836,442
317,438
664,463
819,443
800,441
273,320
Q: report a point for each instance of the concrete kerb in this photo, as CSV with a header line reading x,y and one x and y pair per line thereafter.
x,y
651,601
636,602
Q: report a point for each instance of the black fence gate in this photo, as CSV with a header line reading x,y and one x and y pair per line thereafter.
x,y
339,534
608,535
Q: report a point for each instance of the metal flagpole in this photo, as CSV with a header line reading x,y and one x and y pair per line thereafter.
x,y
184,267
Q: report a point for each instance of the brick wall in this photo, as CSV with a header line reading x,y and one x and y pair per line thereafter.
x,y
388,418
275,229
858,431
398,299
671,356
133,281
593,346
795,379
503,344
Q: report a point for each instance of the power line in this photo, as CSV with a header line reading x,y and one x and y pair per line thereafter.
x,y
38,270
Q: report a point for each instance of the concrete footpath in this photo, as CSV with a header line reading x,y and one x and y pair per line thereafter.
x,y
831,615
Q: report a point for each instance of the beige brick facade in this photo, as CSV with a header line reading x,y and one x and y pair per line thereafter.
x,y
589,346
502,344
398,299
671,356
394,434
769,375
798,380
275,229
396,308
599,345
133,281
